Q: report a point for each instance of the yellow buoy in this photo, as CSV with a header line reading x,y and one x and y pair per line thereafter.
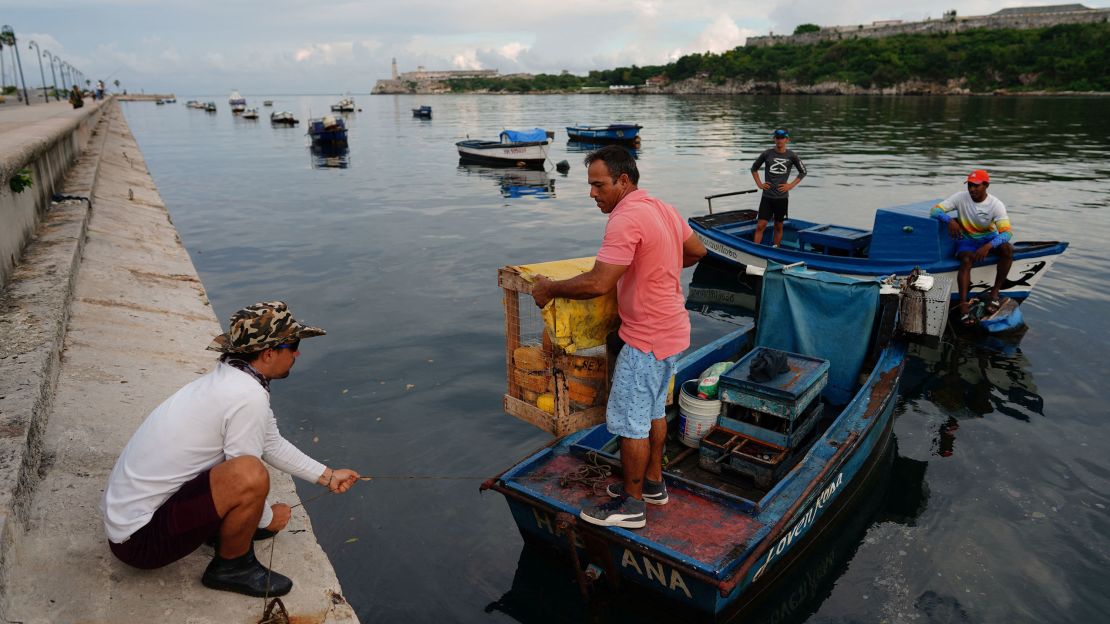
x,y
546,402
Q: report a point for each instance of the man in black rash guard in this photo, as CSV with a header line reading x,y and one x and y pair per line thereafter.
x,y
776,189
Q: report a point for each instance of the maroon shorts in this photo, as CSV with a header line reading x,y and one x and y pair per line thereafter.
x,y
177,528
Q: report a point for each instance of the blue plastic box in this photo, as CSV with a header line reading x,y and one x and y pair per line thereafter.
x,y
786,396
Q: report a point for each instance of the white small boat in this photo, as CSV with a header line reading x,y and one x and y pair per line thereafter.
x,y
517,148
346,105
210,107
283,118
237,102
267,102
250,113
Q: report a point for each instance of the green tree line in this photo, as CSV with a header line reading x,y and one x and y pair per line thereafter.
x,y
1067,57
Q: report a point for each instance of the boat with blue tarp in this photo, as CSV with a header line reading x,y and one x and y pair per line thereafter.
x,y
902,238
515,148
612,133
770,475
328,130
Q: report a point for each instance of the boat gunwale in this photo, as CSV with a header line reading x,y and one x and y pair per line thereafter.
x,y
863,266
483,145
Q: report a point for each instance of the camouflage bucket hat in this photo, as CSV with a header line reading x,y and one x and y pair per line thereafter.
x,y
261,326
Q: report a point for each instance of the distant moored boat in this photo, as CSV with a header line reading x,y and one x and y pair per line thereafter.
x,y
328,130
237,102
517,148
612,133
284,118
346,105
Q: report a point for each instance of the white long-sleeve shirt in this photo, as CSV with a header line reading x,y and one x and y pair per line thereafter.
x,y
217,417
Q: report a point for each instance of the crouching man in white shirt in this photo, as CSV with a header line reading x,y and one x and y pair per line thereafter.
x,y
193,471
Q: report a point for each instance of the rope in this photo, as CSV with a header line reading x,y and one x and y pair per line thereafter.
x,y
592,474
268,614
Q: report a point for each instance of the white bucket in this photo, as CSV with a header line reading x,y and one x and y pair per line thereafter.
x,y
695,416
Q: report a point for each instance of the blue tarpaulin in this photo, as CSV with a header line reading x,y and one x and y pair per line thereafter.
x,y
822,315
523,136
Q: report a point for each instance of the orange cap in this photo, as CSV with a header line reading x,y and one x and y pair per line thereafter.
x,y
978,177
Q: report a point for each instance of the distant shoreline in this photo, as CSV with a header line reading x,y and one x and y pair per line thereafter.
x,y
854,91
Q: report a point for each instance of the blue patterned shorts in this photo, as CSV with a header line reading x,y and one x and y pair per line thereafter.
x,y
639,392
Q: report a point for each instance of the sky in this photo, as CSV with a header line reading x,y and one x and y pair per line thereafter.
x,y
282,46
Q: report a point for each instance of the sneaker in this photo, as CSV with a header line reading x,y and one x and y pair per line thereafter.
x,y
655,492
625,512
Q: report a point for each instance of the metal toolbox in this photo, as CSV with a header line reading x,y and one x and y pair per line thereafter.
x,y
786,395
768,428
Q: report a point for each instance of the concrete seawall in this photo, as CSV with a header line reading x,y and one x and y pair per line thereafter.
x,y
46,140
101,320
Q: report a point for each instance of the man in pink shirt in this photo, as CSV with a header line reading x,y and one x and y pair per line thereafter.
x,y
646,245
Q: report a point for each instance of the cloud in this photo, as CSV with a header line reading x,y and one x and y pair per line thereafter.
x,y
722,35
512,50
328,53
466,60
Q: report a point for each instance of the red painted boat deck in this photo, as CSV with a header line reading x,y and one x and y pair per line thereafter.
x,y
690,524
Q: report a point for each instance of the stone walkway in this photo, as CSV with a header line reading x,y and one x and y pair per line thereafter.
x,y
139,323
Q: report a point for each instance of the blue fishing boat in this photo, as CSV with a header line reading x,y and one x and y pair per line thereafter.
x,y
766,480
517,148
422,112
902,238
612,133
328,130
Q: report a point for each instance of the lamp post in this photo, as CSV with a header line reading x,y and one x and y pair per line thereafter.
x,y
9,37
52,74
63,67
38,53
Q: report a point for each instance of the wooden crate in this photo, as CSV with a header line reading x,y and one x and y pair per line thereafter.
x,y
568,416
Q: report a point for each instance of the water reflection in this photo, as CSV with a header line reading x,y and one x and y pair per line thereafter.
x,y
515,182
330,156
971,378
